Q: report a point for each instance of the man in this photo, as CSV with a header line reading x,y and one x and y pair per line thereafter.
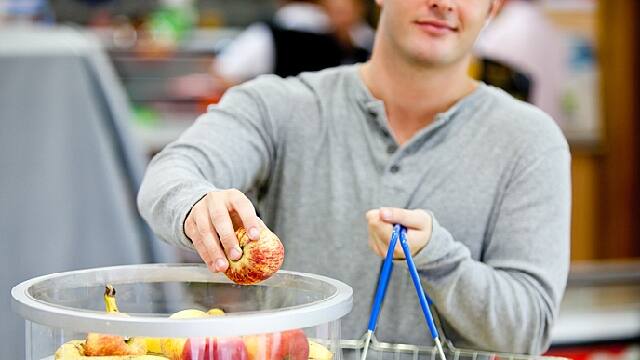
x,y
480,180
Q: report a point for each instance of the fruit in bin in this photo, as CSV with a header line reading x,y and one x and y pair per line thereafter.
x,y
70,350
230,348
188,314
104,344
285,345
260,258
215,348
319,352
199,348
215,312
177,348
295,345
74,350
172,347
154,345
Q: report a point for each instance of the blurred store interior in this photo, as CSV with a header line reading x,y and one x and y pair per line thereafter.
x,y
91,89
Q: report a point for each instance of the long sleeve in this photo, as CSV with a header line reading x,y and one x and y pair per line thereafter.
x,y
231,146
509,299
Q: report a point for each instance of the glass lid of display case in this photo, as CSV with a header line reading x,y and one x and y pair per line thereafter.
x,y
148,294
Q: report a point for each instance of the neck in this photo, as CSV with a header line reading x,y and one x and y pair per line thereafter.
x,y
414,93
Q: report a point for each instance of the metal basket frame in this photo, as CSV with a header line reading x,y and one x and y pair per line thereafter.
x,y
431,353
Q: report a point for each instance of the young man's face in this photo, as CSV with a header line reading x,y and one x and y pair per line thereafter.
x,y
433,32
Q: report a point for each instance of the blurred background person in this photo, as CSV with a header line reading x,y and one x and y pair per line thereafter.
x,y
355,35
303,35
526,55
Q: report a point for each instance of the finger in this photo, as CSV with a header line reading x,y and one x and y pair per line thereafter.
x,y
373,215
376,229
247,213
379,248
414,219
212,244
203,253
219,215
383,233
398,252
192,231
209,240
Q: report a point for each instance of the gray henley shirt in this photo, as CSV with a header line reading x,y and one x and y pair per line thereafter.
x,y
315,152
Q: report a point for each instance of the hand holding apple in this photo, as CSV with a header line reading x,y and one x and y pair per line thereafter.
x,y
211,225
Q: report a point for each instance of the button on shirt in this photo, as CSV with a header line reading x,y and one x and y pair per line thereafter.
x,y
311,153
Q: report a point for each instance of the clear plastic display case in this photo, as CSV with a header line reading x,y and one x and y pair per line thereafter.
x,y
181,312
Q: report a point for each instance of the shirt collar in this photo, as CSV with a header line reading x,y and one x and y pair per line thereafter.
x,y
376,106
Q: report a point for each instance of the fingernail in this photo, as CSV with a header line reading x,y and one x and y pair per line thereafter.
x,y
385,214
235,253
254,233
220,264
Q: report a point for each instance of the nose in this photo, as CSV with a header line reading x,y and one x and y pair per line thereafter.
x,y
442,5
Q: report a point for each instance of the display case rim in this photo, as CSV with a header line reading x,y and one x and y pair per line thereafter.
x,y
333,307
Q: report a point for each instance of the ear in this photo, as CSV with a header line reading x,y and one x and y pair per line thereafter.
x,y
380,3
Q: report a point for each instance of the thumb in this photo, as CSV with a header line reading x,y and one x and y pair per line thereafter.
x,y
414,219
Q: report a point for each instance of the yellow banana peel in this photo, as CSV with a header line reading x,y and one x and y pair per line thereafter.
x,y
319,352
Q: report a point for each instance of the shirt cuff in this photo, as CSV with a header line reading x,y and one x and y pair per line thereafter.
x,y
440,244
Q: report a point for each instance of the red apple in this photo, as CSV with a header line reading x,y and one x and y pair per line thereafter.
x,y
230,348
260,258
215,348
295,345
106,345
286,345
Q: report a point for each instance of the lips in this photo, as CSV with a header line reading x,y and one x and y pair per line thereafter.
x,y
435,27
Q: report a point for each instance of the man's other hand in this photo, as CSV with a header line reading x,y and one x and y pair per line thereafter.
x,y
380,221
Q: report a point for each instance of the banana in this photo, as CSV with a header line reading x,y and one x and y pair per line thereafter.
x,y
188,314
319,352
110,304
154,345
70,350
215,312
